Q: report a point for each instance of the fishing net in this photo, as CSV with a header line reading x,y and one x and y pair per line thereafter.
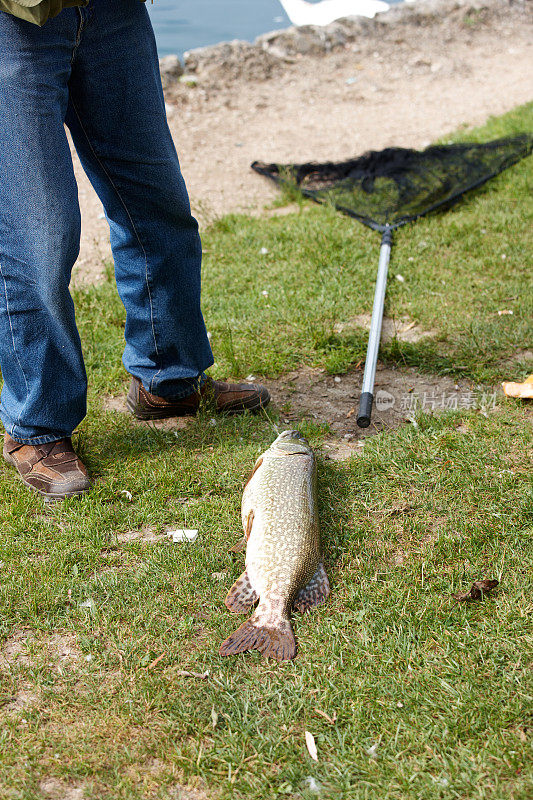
x,y
386,189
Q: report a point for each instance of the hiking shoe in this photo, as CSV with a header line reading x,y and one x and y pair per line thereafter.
x,y
222,398
53,470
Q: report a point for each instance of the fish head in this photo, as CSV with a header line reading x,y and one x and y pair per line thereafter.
x,y
291,443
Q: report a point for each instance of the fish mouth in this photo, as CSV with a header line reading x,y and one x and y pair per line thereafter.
x,y
292,443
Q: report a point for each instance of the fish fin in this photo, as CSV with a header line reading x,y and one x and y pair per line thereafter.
x,y
252,473
275,640
242,595
315,593
241,544
248,526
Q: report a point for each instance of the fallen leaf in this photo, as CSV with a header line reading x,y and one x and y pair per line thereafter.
x,y
311,746
479,588
523,390
331,720
313,785
350,413
372,751
156,661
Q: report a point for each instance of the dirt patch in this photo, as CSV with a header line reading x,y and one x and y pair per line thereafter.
x,y
145,534
523,356
148,535
405,85
409,547
25,698
25,646
187,793
117,404
341,450
399,394
405,330
58,790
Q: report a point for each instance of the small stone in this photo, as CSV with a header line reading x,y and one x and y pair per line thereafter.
x,y
183,535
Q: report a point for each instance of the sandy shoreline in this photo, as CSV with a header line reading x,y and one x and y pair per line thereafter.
x,y
404,84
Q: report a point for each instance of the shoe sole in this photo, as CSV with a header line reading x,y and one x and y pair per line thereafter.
x,y
153,415
47,497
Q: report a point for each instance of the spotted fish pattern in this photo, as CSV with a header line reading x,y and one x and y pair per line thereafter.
x,y
284,567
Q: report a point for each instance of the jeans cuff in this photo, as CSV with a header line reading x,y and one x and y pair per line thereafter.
x,y
36,440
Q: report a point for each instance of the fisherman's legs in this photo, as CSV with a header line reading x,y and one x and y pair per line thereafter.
x,y
44,393
117,118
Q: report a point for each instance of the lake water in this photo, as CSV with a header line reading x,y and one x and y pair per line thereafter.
x,y
184,24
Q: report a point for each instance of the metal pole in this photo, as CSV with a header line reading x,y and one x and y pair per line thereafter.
x,y
367,390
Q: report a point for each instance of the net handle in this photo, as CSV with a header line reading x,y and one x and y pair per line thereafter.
x,y
367,390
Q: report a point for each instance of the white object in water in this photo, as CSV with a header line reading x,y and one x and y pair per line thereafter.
x,y
300,12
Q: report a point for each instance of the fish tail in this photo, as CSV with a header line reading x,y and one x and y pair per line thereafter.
x,y
274,638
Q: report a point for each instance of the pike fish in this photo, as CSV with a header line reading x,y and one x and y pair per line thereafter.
x,y
284,567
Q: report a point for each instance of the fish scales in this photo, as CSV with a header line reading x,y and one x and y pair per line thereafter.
x,y
283,555
283,547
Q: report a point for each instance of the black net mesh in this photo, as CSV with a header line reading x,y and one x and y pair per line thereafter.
x,y
394,186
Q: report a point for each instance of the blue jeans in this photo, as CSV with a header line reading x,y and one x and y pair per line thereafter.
x,y
95,69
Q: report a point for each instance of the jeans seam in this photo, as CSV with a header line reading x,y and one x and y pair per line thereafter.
x,y
135,232
78,36
14,346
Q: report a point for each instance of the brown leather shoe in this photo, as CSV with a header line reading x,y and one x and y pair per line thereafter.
x,y
223,398
53,470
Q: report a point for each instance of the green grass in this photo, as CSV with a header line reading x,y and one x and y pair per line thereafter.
x,y
428,698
